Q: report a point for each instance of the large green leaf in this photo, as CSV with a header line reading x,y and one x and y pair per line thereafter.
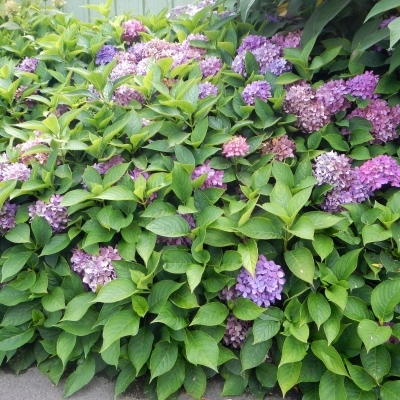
x,y
249,253
163,358
65,344
195,381
14,264
329,356
293,350
331,386
381,7
318,307
160,293
12,338
124,379
261,228
301,262
376,362
54,301
139,348
80,377
372,334
78,306
211,314
265,329
115,290
41,230
360,377
390,390
288,374
169,226
246,310
171,381
384,297
253,354
201,349
181,183
346,264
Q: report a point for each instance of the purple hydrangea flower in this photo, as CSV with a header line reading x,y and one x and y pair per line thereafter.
x,y
214,177
95,269
55,214
10,171
383,118
132,29
363,85
265,287
105,54
387,21
252,42
126,65
290,40
380,171
28,64
235,147
207,89
210,66
103,167
236,331
7,217
260,89
124,94
332,94
269,58
281,147
238,64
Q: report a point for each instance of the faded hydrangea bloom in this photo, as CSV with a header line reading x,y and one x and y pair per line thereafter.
x,y
281,147
105,54
55,214
11,7
132,29
214,177
207,89
235,147
236,331
28,64
95,269
9,171
58,3
380,171
103,167
124,94
210,66
290,40
7,217
126,65
260,89
363,85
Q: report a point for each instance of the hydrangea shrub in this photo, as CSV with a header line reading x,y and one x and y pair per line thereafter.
x,y
189,194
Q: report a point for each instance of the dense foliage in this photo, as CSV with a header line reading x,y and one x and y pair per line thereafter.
x,y
210,190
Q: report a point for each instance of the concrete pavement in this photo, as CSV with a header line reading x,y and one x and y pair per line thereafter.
x,y
33,385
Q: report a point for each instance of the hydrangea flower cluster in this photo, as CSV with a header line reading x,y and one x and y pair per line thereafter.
x,y
263,289
281,147
7,217
260,89
126,65
105,54
40,157
210,66
190,9
214,177
9,171
235,333
95,269
104,167
124,94
55,214
28,64
235,147
332,95
132,29
363,85
179,240
207,89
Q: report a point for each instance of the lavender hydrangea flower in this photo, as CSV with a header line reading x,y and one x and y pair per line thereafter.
x,y
383,118
55,214
210,66
28,64
235,147
103,167
332,94
7,217
269,58
124,94
214,177
387,21
207,89
363,85
9,171
281,147
126,65
380,171
236,331
252,42
95,269
266,286
132,29
290,40
105,54
260,89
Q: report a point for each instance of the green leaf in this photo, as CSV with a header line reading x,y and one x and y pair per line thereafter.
x,y
201,349
331,386
356,309
145,246
117,193
376,362
267,374
160,293
11,338
139,348
210,314
319,308
163,358
390,390
83,327
19,234
286,78
170,226
265,329
301,262
56,244
288,375
360,377
112,353
337,294
123,323
381,7
354,393
171,381
124,379
195,381
303,228
375,233
384,297
194,274
139,305
115,290
253,354
54,301
246,310
372,334
283,174
171,316
300,332
261,228
323,245
78,306
346,265
80,377
322,220
41,230
20,313
249,253
181,183
293,350
75,197
6,189
329,356
14,264
65,344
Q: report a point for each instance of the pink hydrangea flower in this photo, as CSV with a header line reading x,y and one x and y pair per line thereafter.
x,y
235,147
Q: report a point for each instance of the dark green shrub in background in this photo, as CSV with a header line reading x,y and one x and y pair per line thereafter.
x,y
210,190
